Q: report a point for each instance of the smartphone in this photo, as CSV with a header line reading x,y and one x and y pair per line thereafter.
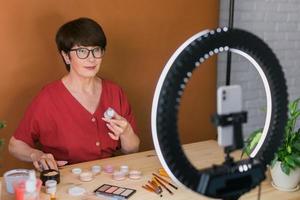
x,y
229,100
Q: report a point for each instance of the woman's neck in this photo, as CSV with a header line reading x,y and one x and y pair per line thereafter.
x,y
82,85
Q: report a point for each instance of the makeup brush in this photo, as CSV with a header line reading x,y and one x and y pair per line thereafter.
x,y
165,181
155,186
149,188
163,185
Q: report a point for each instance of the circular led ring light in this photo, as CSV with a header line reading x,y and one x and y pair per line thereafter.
x,y
175,76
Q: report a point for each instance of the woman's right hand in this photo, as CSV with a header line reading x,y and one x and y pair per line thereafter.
x,y
44,161
41,161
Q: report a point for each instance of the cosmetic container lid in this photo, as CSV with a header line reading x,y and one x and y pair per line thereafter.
x,y
76,191
76,170
96,169
124,168
109,113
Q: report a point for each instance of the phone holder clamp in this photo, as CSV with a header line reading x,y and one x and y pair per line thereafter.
x,y
235,120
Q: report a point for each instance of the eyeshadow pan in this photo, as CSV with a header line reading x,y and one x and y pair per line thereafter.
x,y
112,189
103,188
119,191
127,192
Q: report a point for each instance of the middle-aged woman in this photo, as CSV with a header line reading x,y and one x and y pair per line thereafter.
x,y
66,117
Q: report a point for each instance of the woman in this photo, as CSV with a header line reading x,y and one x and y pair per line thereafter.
x,y
66,117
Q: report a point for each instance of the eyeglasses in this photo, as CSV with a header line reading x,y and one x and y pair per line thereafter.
x,y
83,53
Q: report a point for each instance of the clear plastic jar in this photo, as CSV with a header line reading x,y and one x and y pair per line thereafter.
x,y
51,186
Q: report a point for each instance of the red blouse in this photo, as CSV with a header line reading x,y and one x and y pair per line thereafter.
x,y
66,129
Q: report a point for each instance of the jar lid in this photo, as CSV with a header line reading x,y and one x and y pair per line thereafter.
x,y
76,170
109,113
124,168
76,191
96,169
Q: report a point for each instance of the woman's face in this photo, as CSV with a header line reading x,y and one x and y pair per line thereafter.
x,y
84,60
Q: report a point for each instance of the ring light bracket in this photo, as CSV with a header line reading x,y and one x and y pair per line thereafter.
x,y
235,120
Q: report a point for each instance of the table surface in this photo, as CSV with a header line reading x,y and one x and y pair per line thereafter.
x,y
201,154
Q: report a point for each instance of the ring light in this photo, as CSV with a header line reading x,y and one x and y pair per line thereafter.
x,y
219,182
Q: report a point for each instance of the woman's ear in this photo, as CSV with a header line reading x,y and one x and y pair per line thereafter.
x,y
66,57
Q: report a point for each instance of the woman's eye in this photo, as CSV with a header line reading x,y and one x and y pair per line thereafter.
x,y
82,50
97,50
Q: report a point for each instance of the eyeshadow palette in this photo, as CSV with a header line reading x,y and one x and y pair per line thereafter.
x,y
112,190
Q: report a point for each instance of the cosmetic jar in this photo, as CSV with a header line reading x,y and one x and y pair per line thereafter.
x,y
15,175
118,175
108,169
124,169
135,174
50,174
51,186
86,176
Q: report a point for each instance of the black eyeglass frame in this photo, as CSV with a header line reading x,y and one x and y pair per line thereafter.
x,y
89,50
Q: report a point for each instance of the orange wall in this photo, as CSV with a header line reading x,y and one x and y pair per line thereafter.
x,y
142,35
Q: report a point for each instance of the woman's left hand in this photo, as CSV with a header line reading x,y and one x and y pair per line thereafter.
x,y
118,126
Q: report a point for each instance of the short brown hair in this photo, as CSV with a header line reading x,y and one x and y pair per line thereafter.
x,y
81,31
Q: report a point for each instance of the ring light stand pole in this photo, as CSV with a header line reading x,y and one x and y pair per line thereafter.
x,y
227,150
230,25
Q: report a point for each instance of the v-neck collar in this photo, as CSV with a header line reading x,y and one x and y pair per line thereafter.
x,y
74,100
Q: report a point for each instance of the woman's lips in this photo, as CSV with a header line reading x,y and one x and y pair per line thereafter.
x,y
90,67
